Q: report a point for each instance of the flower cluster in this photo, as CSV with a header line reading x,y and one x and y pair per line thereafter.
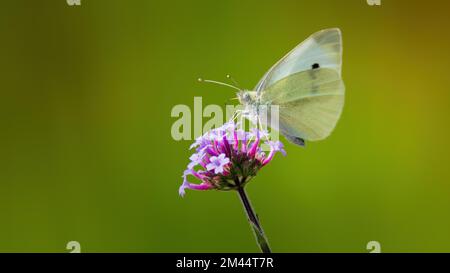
x,y
226,158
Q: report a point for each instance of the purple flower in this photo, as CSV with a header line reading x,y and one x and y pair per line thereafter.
x,y
254,132
197,142
227,158
196,159
217,163
200,187
275,146
203,186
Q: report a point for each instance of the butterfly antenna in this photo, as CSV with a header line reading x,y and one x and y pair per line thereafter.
x,y
233,81
219,83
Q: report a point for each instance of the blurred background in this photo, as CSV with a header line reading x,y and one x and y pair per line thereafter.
x,y
87,154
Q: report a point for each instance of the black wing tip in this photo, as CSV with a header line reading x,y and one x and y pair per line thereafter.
x,y
296,140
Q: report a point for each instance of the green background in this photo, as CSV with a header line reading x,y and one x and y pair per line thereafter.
x,y
86,152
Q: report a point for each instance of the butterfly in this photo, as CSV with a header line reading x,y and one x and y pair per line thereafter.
x,y
306,85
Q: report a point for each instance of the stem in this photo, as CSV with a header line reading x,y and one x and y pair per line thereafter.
x,y
254,221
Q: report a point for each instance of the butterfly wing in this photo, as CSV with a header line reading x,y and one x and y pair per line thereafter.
x,y
310,103
306,84
323,49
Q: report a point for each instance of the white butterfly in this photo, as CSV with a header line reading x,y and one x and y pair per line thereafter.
x,y
306,85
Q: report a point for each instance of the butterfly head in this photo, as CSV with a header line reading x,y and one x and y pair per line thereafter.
x,y
246,97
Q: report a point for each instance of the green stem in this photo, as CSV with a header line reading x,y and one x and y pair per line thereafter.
x,y
254,221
